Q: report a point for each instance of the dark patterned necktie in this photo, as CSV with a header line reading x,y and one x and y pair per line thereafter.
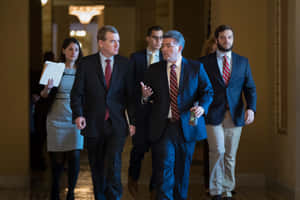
x,y
107,80
174,93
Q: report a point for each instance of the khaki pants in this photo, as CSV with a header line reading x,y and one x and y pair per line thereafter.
x,y
223,141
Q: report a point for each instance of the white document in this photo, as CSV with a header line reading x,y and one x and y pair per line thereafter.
x,y
52,70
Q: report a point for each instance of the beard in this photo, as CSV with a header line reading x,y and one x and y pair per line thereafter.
x,y
221,48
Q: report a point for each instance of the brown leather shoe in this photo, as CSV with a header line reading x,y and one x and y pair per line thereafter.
x,y
132,187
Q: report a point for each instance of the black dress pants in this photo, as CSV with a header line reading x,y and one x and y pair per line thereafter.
x,y
104,154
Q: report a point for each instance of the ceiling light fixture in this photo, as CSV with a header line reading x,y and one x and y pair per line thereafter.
x,y
85,13
44,2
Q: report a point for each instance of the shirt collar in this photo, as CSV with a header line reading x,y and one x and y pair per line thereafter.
x,y
156,53
220,54
178,62
103,58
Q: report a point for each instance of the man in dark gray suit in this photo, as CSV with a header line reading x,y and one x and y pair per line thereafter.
x,y
231,78
141,61
102,91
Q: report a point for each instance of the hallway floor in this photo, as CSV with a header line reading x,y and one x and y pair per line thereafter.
x,y
40,182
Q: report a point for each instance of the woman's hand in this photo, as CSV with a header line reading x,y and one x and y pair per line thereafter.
x,y
50,84
44,93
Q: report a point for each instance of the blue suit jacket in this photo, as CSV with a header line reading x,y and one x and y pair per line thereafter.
x,y
194,85
240,83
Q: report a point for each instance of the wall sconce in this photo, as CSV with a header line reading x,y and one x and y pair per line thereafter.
x,y
44,2
78,33
85,13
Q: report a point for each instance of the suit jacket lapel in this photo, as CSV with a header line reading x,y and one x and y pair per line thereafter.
x,y
233,67
183,74
164,78
115,71
99,70
217,70
145,63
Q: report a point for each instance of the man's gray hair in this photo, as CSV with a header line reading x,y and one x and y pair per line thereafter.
x,y
177,36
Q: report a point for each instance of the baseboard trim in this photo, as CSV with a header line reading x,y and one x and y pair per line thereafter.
x,y
251,180
297,193
284,191
14,182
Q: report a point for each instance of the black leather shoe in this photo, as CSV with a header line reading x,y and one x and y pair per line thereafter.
x,y
216,197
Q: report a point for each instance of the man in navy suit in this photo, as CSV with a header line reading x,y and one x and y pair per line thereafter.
x,y
172,87
231,78
102,91
141,61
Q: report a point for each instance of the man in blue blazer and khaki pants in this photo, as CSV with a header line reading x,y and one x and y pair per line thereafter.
x,y
231,78
172,87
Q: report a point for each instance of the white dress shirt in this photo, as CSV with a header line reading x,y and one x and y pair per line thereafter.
x,y
155,58
103,62
220,60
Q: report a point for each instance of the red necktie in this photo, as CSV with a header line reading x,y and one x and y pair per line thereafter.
x,y
107,72
226,70
174,93
107,80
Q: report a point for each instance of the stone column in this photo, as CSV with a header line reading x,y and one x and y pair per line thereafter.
x,y
47,27
14,101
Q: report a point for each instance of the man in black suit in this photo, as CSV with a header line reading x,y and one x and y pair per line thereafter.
x,y
231,78
103,89
175,88
141,61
